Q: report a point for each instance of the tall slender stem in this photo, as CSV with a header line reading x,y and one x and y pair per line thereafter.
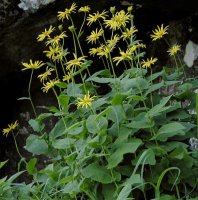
x,y
29,93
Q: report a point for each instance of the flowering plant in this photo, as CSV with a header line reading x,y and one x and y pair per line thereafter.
x,y
116,136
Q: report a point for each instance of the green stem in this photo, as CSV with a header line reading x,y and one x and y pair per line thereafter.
x,y
29,93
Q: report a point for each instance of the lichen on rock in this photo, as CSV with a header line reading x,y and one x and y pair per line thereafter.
x,y
33,5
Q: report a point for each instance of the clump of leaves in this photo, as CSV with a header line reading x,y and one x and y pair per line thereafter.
x,y
128,142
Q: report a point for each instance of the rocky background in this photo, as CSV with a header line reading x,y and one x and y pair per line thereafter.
x,y
21,22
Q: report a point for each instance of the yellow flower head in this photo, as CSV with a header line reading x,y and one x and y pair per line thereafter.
x,y
76,62
45,75
85,102
94,51
104,51
174,50
94,17
68,76
32,65
53,52
113,41
45,34
49,85
149,62
159,32
56,39
84,9
123,56
118,20
65,14
94,36
10,128
129,32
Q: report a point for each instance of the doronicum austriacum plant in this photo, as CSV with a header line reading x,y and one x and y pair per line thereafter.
x,y
132,140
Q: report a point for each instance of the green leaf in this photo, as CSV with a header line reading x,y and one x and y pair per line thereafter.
x,y
3,163
134,83
136,98
58,129
150,159
64,101
123,148
156,110
30,167
96,124
100,174
169,130
140,122
36,125
36,145
108,191
63,143
117,99
61,85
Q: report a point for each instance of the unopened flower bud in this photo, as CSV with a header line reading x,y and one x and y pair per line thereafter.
x,y
71,28
130,8
112,9
60,27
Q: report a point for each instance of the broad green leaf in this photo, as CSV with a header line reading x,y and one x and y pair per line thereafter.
x,y
108,191
36,145
61,85
96,124
36,125
136,98
124,193
64,101
149,160
134,83
58,129
31,166
100,174
120,149
141,121
117,99
63,143
156,110
169,130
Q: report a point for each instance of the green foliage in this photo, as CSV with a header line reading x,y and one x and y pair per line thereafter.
x,y
128,142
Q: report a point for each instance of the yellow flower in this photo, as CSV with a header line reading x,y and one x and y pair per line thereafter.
x,y
52,53
118,20
49,85
104,51
123,56
159,32
67,77
65,14
174,49
149,62
94,36
84,9
113,41
94,17
94,51
76,62
56,39
85,102
32,65
45,75
45,34
10,128
129,32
